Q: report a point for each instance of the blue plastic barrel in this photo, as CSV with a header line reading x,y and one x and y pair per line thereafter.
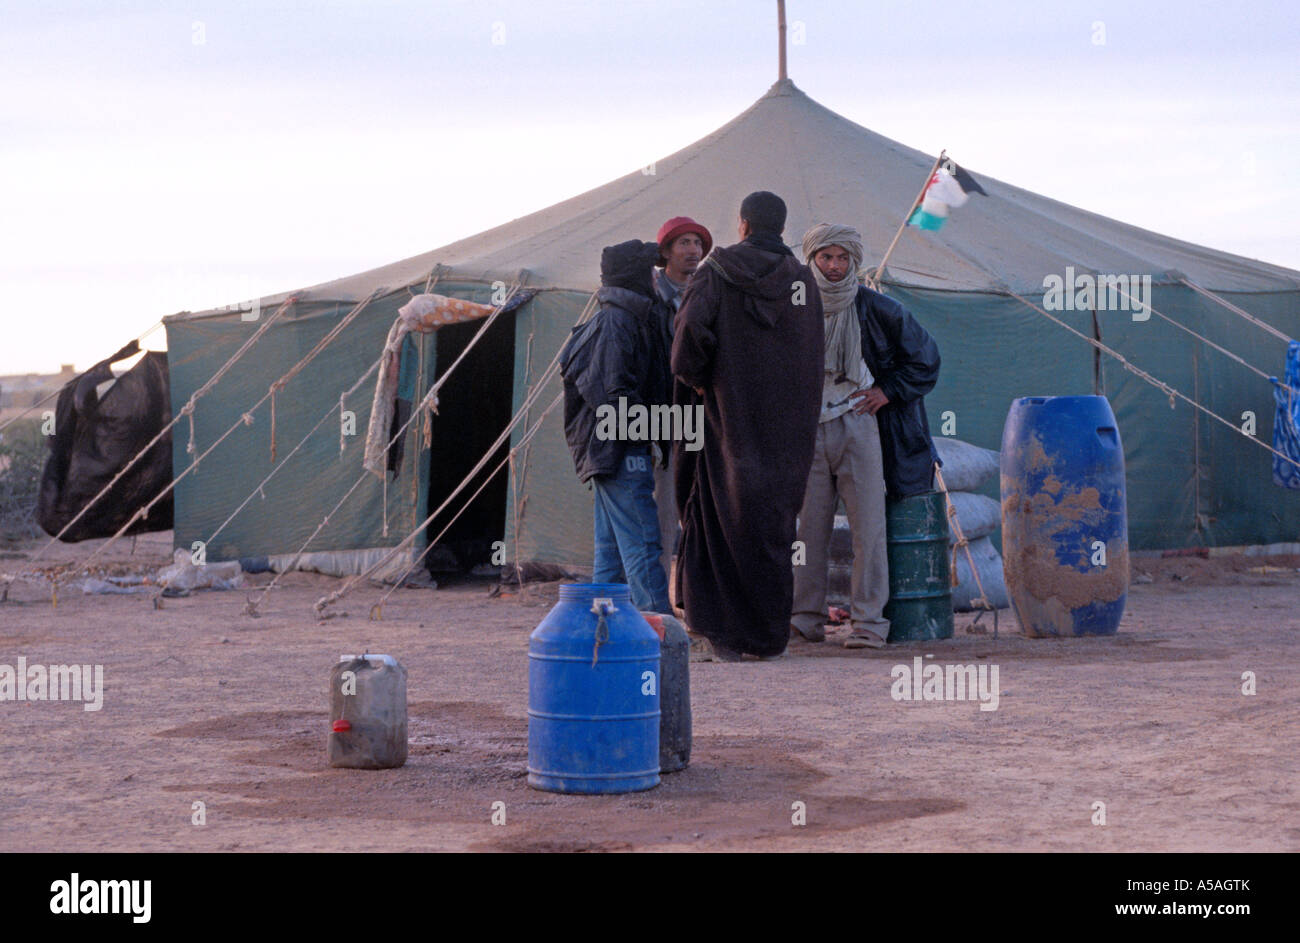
x,y
1064,518
593,694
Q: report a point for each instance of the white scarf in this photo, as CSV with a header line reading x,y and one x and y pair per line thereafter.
x,y
843,333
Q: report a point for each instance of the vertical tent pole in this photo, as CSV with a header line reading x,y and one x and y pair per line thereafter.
x,y
1196,448
1096,355
780,29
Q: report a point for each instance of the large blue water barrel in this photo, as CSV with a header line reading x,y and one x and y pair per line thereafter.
x,y
593,694
1064,518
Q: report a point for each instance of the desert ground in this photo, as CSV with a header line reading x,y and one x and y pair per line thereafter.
x,y
203,703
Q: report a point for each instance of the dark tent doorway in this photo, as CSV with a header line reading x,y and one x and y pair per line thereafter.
x,y
474,406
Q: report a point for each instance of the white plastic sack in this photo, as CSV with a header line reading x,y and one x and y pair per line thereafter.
x,y
978,516
989,566
111,586
184,575
966,467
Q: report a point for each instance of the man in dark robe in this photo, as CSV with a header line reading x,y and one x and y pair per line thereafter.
x,y
747,344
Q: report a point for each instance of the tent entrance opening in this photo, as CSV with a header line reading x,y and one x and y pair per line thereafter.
x,y
474,406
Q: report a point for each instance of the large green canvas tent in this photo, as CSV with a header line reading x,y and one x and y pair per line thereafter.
x,y
1191,480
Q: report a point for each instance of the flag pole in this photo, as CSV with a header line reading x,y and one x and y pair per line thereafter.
x,y
780,30
873,279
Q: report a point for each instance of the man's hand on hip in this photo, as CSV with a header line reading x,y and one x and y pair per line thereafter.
x,y
869,400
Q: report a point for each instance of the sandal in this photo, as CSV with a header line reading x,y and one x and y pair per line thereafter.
x,y
864,638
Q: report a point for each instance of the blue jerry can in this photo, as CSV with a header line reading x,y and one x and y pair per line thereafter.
x,y
593,694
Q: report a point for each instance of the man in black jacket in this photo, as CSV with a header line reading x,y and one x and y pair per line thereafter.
x,y
904,359
615,367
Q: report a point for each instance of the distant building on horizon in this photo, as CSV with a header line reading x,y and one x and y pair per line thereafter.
x,y
22,390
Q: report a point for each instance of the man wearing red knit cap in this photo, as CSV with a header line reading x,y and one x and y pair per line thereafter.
x,y
682,244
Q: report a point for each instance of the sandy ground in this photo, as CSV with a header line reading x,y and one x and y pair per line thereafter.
x,y
205,704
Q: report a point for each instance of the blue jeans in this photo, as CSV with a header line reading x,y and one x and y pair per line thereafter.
x,y
627,532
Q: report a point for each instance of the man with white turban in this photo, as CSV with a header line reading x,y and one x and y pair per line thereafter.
x,y
872,435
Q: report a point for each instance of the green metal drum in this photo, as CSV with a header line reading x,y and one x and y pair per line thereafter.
x,y
920,591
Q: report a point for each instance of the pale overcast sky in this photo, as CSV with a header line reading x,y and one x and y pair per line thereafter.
x,y
156,157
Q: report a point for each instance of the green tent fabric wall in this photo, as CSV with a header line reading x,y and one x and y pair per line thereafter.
x,y
298,497
548,513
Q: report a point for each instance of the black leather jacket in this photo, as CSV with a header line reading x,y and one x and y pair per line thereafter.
x,y
621,352
904,360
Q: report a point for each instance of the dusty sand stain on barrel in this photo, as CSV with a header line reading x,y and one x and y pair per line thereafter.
x,y
1051,589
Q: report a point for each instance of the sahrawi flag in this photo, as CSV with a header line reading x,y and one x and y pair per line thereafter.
x,y
949,187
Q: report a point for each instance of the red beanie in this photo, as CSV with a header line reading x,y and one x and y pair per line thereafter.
x,y
680,226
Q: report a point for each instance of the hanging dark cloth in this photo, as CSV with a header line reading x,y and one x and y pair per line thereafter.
x,y
1286,423
95,438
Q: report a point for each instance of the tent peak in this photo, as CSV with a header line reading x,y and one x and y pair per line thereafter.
x,y
784,88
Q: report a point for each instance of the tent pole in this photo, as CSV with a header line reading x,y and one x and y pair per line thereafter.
x,y
425,423
874,277
1096,355
1196,448
780,30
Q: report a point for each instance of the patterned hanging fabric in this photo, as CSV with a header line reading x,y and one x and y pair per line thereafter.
x,y
1286,424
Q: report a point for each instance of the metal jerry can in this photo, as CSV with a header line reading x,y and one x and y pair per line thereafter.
x,y
674,692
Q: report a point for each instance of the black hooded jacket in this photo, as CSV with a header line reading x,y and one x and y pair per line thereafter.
x,y
621,352
904,360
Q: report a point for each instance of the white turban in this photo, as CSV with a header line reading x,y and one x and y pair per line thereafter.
x,y
843,333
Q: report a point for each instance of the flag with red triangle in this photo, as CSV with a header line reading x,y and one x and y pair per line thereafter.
x,y
949,187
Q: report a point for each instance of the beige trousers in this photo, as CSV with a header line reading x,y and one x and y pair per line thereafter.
x,y
846,464
665,500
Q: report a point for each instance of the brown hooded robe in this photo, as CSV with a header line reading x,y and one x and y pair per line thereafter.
x,y
758,357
